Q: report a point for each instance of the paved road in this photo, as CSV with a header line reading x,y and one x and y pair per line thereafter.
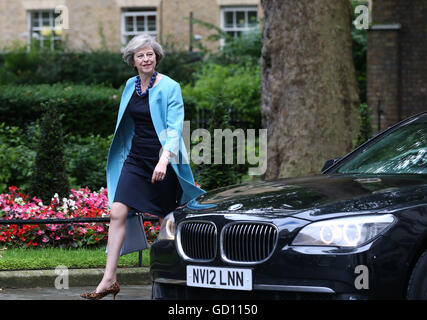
x,y
127,292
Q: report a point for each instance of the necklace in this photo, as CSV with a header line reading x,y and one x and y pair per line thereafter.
x,y
138,85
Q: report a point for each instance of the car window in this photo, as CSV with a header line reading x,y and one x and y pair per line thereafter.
x,y
403,150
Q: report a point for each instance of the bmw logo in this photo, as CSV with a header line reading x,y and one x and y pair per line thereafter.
x,y
235,207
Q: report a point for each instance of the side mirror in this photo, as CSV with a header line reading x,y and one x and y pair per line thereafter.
x,y
329,163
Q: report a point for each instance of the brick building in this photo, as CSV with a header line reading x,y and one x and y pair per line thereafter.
x,y
92,24
397,60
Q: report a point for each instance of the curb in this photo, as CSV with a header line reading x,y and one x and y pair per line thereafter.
x,y
76,277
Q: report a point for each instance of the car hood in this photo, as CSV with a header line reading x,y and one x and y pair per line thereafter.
x,y
314,197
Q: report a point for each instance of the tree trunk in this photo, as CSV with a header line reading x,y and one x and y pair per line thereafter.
x,y
309,94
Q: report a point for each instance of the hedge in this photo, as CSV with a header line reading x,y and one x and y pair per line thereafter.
x,y
85,109
99,67
86,158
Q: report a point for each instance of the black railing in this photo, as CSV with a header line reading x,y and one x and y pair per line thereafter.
x,y
69,221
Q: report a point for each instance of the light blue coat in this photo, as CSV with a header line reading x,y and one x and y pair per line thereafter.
x,y
167,114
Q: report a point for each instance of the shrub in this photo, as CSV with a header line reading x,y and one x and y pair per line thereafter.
x,y
240,90
180,64
49,173
85,109
223,97
89,68
18,64
50,67
86,159
365,131
16,157
242,50
214,175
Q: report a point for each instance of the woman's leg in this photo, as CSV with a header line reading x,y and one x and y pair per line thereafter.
x,y
116,236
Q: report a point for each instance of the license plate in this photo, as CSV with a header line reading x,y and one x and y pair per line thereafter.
x,y
219,278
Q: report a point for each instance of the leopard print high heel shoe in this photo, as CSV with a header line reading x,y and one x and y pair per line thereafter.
x,y
114,289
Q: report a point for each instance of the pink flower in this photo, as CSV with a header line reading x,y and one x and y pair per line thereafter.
x,y
60,216
80,203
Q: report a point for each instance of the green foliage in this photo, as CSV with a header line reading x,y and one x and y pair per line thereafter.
x,y
16,158
239,89
87,160
49,67
225,95
180,64
49,172
360,45
86,68
20,64
366,131
359,58
214,175
244,50
218,94
50,258
85,109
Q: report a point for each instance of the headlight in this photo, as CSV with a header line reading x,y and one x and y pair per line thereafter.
x,y
343,232
168,228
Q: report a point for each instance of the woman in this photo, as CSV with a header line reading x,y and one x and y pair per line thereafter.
x,y
147,166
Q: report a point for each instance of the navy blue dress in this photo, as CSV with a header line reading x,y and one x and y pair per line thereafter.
x,y
134,187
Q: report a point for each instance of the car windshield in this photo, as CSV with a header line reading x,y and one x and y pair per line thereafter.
x,y
403,150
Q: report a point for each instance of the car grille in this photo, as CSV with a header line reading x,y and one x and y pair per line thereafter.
x,y
248,242
198,240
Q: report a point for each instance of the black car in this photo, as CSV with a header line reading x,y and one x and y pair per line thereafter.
x,y
356,231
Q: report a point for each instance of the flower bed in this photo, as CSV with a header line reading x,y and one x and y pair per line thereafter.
x,y
82,203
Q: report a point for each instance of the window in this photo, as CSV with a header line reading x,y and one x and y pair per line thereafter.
x,y
238,20
42,31
136,21
401,151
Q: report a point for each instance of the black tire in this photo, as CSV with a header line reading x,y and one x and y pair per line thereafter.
x,y
417,287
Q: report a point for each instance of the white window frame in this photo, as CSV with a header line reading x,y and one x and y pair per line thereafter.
x,y
37,31
235,28
135,14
